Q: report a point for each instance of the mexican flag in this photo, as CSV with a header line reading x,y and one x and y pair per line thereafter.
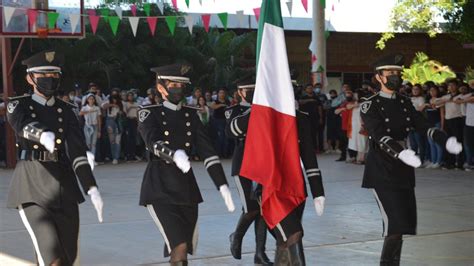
x,y
271,156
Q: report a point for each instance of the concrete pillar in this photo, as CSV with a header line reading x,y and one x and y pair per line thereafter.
x,y
318,56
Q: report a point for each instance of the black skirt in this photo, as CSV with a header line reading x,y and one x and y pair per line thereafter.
x,y
244,187
290,225
177,225
398,209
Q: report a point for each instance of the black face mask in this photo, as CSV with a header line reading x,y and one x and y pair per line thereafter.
x,y
349,99
175,95
249,96
333,96
47,85
394,82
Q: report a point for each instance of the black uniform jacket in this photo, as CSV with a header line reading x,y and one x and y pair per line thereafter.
x,y
178,127
51,183
237,119
237,125
389,119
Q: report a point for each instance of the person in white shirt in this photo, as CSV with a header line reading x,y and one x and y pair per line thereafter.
x,y
454,122
468,101
92,122
418,142
131,111
193,99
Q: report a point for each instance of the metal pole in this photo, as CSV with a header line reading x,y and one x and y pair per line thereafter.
x,y
7,92
318,57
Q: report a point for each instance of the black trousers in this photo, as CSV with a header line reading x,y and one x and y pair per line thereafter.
x,y
54,232
455,127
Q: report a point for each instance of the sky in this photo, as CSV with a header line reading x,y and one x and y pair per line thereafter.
x,y
341,15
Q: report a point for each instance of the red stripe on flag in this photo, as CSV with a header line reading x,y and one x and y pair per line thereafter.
x,y
272,158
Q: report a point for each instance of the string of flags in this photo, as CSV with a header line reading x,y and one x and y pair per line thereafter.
x,y
114,20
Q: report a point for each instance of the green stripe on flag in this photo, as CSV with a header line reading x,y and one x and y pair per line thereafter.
x,y
270,13
52,18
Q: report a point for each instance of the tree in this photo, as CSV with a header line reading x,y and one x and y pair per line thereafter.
x,y
425,16
422,69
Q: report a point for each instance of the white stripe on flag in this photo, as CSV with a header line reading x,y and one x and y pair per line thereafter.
x,y
273,87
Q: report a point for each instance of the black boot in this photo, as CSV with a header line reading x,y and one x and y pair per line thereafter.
x,y
282,257
391,252
236,237
260,257
179,263
297,254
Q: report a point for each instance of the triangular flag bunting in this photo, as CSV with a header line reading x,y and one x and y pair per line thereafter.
x,y
323,3
256,11
289,4
134,24
305,4
320,68
114,23
91,12
147,8
94,20
332,7
161,7
32,15
171,22
152,24
190,23
326,34
240,17
223,17
8,13
52,18
74,18
206,19
104,12
133,8
119,12
200,2
187,3
175,4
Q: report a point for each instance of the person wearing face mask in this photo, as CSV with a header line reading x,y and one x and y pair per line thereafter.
x,y
389,172
333,124
237,118
52,153
169,189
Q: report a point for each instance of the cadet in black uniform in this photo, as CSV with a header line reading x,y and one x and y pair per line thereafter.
x,y
169,189
237,122
389,170
52,153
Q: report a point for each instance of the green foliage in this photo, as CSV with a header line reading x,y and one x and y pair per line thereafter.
x,y
423,69
469,74
423,16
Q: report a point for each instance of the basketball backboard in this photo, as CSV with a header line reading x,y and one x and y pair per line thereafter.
x,y
19,25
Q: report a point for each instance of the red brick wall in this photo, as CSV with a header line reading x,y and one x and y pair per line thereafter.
x,y
354,52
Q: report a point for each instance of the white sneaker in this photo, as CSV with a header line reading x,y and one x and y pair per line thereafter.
x,y
425,165
115,161
435,166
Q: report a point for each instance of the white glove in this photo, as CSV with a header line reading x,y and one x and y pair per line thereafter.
x,y
409,157
47,140
91,159
182,160
319,205
453,146
225,192
96,201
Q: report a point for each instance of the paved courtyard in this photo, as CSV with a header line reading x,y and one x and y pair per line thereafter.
x,y
349,232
